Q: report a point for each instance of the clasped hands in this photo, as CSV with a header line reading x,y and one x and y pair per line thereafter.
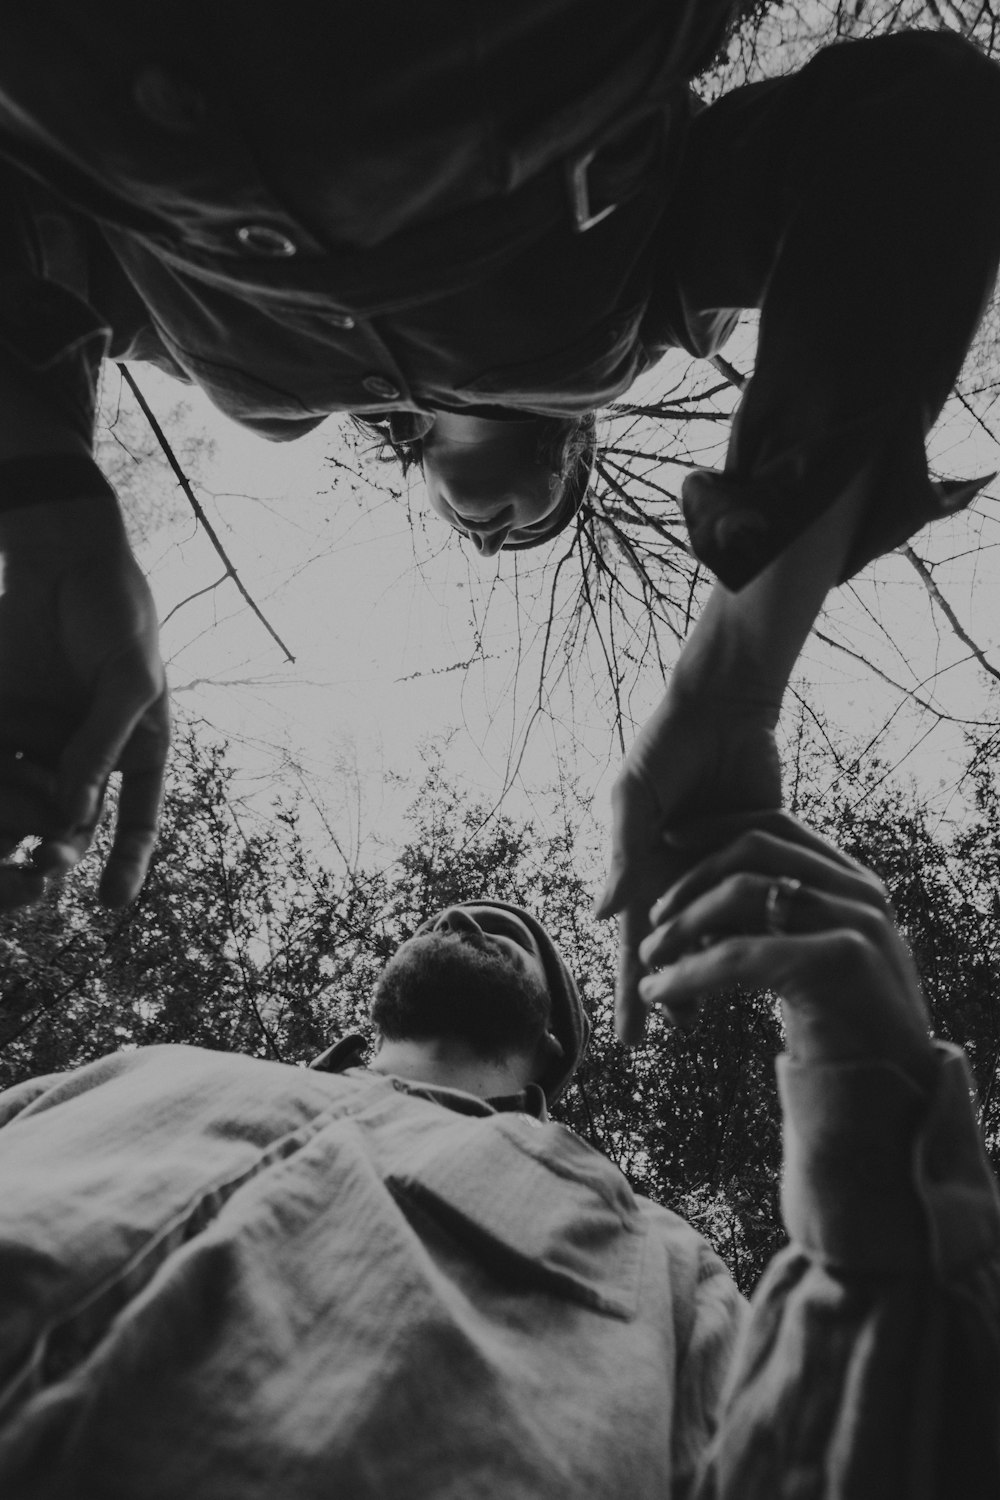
x,y
717,888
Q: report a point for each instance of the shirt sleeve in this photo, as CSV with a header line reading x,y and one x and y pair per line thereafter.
x,y
719,1317
52,341
20,1096
871,1361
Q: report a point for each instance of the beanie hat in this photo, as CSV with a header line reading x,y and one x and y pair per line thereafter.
x,y
569,1022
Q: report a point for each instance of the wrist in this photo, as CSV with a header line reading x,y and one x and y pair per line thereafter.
x,y
57,500
719,677
725,659
828,1035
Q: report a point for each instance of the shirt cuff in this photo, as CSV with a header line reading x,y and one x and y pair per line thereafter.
x,y
41,478
880,1177
740,520
54,343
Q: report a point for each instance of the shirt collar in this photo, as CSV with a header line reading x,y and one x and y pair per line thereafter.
x,y
529,1101
345,1056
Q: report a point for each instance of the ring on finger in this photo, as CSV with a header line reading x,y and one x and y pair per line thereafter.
x,y
778,904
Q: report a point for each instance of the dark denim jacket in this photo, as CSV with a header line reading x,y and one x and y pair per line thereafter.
x,y
307,209
297,250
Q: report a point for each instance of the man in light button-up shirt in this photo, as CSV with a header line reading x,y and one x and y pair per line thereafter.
x,y
223,1277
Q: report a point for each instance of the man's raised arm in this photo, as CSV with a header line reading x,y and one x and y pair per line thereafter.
x,y
871,1362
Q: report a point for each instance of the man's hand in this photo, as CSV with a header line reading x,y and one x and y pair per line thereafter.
x,y
82,694
695,758
779,908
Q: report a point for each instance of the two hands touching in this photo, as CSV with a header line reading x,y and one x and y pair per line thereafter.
x,y
768,903
716,887
697,758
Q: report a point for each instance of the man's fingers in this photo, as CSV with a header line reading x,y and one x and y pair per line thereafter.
x,y
754,960
739,906
705,835
762,854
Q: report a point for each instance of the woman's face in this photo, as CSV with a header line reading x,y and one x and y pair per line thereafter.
x,y
483,477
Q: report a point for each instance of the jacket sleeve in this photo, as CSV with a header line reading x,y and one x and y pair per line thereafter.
x,y
871,1361
52,341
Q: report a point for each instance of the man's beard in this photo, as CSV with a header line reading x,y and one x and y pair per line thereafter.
x,y
440,985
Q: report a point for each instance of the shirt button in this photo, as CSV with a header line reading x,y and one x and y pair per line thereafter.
x,y
379,386
265,240
171,102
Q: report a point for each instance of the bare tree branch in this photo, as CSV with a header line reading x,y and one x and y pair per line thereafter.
x,y
199,510
926,577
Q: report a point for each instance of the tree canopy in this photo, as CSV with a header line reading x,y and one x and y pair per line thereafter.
x,y
244,940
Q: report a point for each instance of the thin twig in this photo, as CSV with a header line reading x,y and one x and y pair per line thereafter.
x,y
198,509
926,577
191,598
729,371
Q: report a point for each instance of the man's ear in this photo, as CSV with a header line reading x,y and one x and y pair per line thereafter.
x,y
549,1047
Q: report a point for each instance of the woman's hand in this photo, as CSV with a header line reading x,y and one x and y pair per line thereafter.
x,y
779,908
695,758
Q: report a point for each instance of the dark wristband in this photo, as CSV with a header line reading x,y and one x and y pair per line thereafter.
x,y
41,478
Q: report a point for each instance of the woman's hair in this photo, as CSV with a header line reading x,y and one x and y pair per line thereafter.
x,y
566,445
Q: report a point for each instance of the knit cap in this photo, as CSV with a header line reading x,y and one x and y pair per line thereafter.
x,y
569,1022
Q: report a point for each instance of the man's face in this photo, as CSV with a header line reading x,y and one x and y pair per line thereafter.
x,y
473,974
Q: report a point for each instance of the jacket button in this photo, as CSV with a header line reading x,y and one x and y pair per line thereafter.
x,y
265,240
379,386
171,102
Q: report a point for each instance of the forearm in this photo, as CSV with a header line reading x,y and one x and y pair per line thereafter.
x,y
31,423
54,502
870,1362
745,644
51,491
